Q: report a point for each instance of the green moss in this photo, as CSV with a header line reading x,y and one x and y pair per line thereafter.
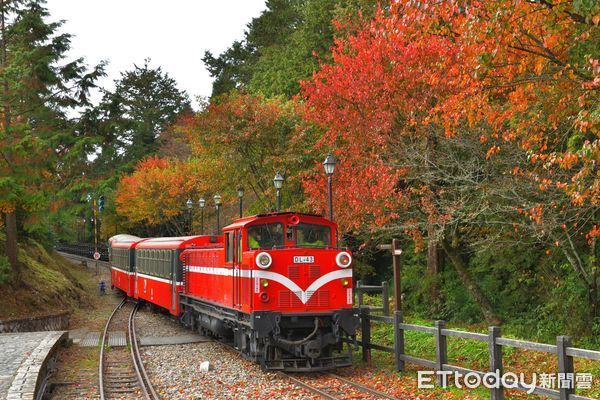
x,y
48,284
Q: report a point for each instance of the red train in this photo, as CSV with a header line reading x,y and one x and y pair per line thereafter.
x,y
274,284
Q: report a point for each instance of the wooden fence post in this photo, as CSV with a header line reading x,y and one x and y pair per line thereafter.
x,y
359,293
366,334
495,353
565,366
397,269
441,350
398,340
386,298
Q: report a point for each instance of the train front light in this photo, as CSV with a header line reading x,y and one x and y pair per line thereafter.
x,y
264,260
343,259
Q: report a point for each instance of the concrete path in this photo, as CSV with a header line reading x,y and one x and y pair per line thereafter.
x,y
23,362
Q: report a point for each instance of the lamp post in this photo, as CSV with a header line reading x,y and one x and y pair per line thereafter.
x,y
329,166
201,204
189,205
240,193
217,200
278,182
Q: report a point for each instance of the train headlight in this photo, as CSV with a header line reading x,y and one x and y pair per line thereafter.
x,y
264,260
343,259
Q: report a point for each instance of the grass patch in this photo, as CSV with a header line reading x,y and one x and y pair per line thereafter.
x,y
6,274
467,353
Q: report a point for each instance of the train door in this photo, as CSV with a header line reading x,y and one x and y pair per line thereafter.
x,y
131,277
177,266
238,279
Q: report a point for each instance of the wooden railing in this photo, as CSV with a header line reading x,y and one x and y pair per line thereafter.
x,y
563,350
360,289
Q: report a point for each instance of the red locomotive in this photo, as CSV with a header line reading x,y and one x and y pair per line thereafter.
x,y
274,284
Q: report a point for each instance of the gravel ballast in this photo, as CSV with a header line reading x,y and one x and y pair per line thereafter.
x,y
175,374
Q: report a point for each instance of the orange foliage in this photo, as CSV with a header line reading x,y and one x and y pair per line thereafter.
x,y
157,190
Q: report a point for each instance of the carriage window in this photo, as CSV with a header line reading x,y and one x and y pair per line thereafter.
x,y
311,235
229,243
265,236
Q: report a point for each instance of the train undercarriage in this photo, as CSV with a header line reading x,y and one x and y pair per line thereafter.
x,y
298,342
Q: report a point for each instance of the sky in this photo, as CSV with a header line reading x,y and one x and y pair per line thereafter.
x,y
174,34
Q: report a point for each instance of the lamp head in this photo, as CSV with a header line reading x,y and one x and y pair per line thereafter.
x,y
329,164
278,181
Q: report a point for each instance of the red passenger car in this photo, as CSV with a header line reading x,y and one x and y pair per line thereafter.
x,y
159,269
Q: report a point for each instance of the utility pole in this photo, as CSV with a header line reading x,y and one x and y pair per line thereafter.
x,y
95,232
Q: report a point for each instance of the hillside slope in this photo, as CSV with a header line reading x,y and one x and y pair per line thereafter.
x,y
49,284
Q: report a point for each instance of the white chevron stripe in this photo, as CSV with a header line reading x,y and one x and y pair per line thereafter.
x,y
304,296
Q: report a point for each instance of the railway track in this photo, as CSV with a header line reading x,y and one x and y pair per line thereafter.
x,y
334,387
327,385
121,371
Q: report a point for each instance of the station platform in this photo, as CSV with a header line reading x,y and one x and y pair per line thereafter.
x,y
25,360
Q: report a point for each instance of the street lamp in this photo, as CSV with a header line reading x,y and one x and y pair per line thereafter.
x,y
240,193
217,200
201,204
329,165
189,205
278,182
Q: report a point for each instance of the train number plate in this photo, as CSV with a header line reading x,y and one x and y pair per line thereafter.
x,y
304,259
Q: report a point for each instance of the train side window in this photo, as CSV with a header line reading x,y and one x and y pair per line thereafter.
x,y
167,262
229,241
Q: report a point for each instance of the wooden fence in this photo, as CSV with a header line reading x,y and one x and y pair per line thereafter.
x,y
360,289
563,350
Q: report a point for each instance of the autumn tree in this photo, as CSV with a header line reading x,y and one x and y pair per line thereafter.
x,y
419,74
237,140
39,85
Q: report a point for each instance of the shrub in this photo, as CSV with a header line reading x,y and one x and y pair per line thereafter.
x,y
6,273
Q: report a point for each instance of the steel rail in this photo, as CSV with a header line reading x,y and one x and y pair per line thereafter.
x,y
316,390
308,387
102,344
364,388
140,370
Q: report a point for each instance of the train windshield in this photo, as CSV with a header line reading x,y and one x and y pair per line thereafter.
x,y
265,236
312,235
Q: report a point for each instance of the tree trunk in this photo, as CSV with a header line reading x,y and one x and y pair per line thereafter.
x,y
11,242
461,268
433,261
593,287
10,217
433,266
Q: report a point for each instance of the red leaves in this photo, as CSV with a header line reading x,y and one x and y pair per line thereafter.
x,y
499,67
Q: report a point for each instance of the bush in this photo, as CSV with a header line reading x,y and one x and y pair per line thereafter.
x,y
6,273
